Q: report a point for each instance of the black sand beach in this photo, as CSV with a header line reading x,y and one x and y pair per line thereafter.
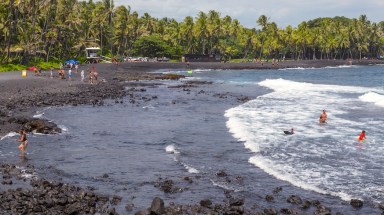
x,y
21,97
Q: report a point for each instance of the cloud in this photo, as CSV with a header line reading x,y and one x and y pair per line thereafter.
x,y
282,12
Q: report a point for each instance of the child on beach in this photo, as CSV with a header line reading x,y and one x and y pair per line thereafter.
x,y
24,142
51,72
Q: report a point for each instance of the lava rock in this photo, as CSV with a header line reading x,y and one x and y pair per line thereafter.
x,y
221,173
236,202
270,211
294,200
356,203
205,203
157,206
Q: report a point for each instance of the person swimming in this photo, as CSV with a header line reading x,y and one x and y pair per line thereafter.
x,y
323,118
362,137
289,132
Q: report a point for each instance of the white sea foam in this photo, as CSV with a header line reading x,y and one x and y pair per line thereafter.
x,y
10,134
224,185
296,68
39,116
148,107
373,97
340,67
63,128
190,169
318,158
25,174
327,67
171,149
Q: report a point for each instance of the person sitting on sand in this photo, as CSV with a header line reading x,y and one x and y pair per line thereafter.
x,y
323,118
24,142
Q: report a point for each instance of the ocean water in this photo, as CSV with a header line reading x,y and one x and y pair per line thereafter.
x,y
171,133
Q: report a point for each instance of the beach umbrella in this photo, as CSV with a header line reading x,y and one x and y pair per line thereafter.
x,y
31,68
72,61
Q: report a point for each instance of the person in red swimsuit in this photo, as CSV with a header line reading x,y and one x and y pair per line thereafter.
x,y
362,137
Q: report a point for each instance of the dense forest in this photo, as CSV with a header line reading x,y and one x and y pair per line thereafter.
x,y
49,30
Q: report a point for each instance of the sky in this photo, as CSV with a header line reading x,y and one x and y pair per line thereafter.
x,y
282,12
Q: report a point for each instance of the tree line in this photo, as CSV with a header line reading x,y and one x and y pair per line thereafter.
x,y
61,29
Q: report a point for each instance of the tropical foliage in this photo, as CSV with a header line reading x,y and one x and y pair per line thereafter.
x,y
32,30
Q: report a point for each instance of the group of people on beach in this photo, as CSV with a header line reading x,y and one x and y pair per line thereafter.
x,y
324,120
92,73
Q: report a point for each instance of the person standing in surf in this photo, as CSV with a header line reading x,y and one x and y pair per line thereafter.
x,y
24,142
362,137
323,118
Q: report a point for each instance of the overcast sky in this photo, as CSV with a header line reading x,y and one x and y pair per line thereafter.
x,y
283,12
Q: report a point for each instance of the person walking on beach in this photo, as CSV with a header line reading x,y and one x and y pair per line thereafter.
x,y
90,77
51,72
76,68
323,118
95,75
24,142
69,74
82,75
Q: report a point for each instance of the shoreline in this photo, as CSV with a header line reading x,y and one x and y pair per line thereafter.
x,y
97,93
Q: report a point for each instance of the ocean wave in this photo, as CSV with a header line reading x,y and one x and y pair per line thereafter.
x,y
63,128
373,97
38,116
297,68
270,167
10,134
190,169
306,159
225,186
326,67
171,149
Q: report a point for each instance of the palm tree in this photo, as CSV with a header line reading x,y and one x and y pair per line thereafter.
x,y
186,32
213,27
263,22
201,30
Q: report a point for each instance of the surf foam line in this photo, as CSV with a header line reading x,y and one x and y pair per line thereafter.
x,y
171,149
307,159
10,134
373,97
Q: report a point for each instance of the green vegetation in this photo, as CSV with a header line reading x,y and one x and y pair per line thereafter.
x,y
33,31
11,67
